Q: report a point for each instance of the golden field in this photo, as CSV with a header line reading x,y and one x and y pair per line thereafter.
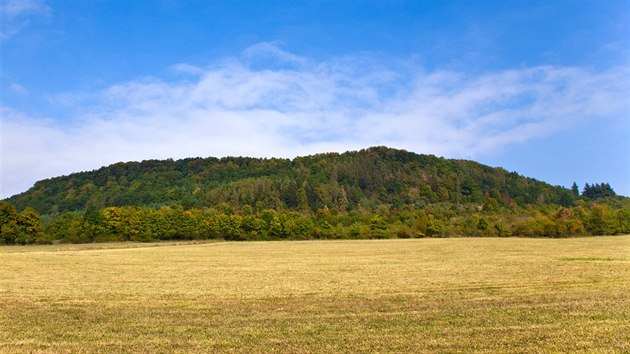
x,y
422,295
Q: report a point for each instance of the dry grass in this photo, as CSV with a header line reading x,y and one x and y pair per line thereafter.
x,y
447,295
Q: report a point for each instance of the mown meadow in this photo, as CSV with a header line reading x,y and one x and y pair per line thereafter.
x,y
403,295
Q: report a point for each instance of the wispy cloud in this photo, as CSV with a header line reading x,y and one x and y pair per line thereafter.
x,y
300,106
18,89
17,14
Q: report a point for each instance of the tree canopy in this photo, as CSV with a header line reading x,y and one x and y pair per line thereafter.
x,y
365,178
373,193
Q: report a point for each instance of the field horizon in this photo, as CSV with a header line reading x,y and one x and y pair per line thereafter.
x,y
410,295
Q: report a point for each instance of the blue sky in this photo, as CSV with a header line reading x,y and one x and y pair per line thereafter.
x,y
536,87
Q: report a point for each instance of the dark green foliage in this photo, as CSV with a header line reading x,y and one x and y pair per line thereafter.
x,y
372,193
358,179
575,190
597,191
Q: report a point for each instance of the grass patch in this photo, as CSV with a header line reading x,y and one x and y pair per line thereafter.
x,y
446,295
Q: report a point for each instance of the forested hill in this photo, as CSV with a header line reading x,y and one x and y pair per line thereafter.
x,y
366,179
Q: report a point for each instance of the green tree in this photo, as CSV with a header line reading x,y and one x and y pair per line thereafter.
x,y
124,224
623,215
598,190
490,205
67,228
302,200
278,226
8,222
93,224
502,230
575,190
434,227
209,227
482,224
230,226
252,226
377,222
601,220
29,226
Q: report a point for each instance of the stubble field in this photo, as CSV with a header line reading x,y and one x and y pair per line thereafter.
x,y
428,295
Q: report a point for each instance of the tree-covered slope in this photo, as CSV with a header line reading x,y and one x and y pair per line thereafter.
x,y
359,179
373,193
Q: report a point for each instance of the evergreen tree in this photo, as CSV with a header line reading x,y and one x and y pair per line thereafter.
x,y
575,190
598,190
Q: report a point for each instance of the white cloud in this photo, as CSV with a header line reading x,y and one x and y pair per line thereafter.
x,y
17,14
185,68
238,108
269,53
18,89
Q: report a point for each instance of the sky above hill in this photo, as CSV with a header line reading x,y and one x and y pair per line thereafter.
x,y
541,88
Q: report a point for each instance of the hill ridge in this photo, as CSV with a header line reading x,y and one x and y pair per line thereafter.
x,y
376,175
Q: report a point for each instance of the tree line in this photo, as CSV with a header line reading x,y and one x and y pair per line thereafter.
x,y
372,193
598,190
143,224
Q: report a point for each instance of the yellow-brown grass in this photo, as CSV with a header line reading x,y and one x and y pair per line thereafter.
x,y
446,295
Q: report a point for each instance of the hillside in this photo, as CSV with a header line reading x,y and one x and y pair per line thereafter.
x,y
374,193
366,178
